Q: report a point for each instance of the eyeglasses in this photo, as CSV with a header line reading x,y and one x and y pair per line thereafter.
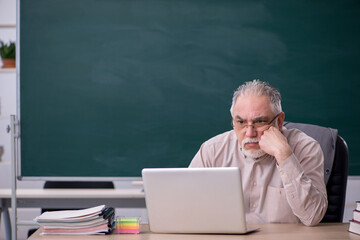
x,y
241,124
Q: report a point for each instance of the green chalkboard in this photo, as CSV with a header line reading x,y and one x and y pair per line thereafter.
x,y
110,87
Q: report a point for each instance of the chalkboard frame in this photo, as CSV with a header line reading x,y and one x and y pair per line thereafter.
x,y
292,99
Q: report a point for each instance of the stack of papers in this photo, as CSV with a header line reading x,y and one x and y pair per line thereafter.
x,y
96,220
354,226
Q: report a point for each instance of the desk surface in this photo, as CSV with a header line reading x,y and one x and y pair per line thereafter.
x,y
267,231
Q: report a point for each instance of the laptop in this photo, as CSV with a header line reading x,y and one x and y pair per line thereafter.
x,y
195,200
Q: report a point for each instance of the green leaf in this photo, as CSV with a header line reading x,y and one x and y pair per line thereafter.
x,y
7,51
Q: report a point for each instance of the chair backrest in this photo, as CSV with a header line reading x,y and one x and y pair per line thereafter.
x,y
336,187
336,157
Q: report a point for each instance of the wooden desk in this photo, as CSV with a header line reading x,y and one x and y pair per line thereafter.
x,y
267,232
69,198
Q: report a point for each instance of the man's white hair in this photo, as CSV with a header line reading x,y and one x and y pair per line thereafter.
x,y
259,88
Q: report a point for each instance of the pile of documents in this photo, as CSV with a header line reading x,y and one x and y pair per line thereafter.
x,y
96,220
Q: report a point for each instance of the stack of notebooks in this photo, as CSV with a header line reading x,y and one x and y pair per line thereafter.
x,y
355,222
96,220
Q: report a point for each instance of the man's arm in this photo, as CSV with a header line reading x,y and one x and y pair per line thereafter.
x,y
304,186
302,175
274,143
197,161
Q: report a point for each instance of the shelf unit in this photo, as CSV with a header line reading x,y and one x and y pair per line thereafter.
x,y
7,70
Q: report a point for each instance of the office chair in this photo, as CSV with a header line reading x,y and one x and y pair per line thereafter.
x,y
76,184
336,157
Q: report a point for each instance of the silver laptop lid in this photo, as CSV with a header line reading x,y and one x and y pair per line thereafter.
x,y
194,200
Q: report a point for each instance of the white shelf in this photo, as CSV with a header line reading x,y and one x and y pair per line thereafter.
x,y
7,25
7,70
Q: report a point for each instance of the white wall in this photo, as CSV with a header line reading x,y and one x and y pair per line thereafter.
x,y
352,195
7,21
7,12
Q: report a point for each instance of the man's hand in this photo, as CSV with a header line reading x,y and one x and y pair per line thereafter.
x,y
274,143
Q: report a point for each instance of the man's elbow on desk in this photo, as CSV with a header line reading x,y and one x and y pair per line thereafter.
x,y
315,218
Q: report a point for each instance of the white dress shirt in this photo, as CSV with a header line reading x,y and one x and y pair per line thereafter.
x,y
291,192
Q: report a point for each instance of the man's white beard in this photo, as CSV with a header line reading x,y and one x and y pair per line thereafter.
x,y
254,153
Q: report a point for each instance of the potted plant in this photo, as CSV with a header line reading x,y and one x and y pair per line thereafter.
x,y
7,53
